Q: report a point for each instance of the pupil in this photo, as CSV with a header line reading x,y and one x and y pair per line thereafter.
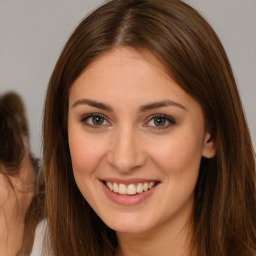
x,y
97,120
159,121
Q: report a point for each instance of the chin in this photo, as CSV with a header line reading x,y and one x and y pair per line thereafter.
x,y
128,229
128,224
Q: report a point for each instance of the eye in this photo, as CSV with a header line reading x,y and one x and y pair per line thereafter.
x,y
95,120
160,121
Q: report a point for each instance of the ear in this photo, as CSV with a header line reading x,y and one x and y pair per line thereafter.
x,y
209,146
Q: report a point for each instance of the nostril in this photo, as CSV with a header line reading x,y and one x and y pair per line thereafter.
x,y
126,162
125,153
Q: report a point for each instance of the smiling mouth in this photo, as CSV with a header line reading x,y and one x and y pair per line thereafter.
x,y
130,189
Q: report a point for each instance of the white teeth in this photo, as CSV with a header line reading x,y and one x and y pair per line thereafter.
x,y
109,185
115,187
145,186
130,189
151,184
122,189
139,188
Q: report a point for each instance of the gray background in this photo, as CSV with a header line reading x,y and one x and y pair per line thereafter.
x,y
33,33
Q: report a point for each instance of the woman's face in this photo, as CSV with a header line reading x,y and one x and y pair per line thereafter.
x,y
136,140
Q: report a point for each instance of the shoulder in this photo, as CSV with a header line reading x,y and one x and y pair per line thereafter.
x,y
41,235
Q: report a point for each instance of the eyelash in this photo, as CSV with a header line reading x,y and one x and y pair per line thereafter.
x,y
96,115
166,118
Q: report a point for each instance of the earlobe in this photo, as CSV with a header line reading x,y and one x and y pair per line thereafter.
x,y
209,146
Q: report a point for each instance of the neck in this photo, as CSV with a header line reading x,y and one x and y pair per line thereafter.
x,y
165,240
16,192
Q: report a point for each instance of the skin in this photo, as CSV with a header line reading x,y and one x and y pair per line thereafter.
x,y
14,202
128,144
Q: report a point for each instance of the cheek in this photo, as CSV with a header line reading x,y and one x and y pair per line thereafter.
x,y
178,155
85,152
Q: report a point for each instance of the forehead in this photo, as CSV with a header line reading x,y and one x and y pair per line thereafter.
x,y
123,57
124,75
119,62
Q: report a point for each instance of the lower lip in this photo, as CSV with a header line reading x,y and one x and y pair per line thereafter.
x,y
127,200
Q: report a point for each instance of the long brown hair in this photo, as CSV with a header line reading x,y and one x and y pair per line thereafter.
x,y
14,148
13,130
224,219
14,133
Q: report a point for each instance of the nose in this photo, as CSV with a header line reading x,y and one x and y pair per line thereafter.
x,y
126,153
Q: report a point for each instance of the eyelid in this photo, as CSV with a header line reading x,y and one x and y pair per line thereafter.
x,y
168,118
87,116
171,121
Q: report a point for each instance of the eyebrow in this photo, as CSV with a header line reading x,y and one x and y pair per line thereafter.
x,y
93,103
161,104
143,108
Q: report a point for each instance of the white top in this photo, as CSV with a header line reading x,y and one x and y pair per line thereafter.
x,y
40,233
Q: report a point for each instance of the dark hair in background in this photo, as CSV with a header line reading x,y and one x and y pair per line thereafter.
x,y
13,131
224,218
14,137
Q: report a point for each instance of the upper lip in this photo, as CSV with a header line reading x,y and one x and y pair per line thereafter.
x,y
134,181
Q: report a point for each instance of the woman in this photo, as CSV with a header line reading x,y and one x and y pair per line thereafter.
x,y
146,148
17,174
